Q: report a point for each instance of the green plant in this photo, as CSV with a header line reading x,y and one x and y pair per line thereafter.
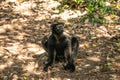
x,y
96,9
24,78
97,20
61,9
78,1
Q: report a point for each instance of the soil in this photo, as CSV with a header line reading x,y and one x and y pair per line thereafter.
x,y
24,23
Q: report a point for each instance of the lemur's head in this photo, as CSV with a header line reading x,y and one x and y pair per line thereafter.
x,y
57,28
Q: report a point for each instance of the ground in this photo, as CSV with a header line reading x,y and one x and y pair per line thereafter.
x,y
24,23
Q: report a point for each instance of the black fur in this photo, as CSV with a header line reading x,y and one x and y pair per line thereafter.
x,y
59,46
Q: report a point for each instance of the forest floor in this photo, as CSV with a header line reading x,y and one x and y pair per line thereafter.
x,y
23,25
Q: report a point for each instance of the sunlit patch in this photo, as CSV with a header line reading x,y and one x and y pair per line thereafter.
x,y
85,45
59,78
18,21
107,3
33,47
111,18
67,14
70,14
20,36
117,27
6,64
102,31
94,58
23,57
118,6
53,4
1,51
2,66
81,36
28,13
7,26
30,67
10,62
114,77
2,30
14,49
15,77
25,8
87,65
40,52
12,0
1,54
117,64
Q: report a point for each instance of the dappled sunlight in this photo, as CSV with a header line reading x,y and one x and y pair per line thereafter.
x,y
21,7
25,22
20,36
33,47
2,31
118,5
111,18
23,57
117,64
12,0
107,31
29,67
40,52
8,63
69,14
20,22
66,14
85,45
53,4
25,8
18,53
102,32
6,27
3,66
14,48
2,51
94,58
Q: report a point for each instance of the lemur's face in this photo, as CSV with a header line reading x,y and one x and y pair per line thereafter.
x,y
58,29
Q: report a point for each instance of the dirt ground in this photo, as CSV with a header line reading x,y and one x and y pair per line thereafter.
x,y
22,26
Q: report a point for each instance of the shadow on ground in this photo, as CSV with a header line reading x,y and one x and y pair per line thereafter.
x,y
22,56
